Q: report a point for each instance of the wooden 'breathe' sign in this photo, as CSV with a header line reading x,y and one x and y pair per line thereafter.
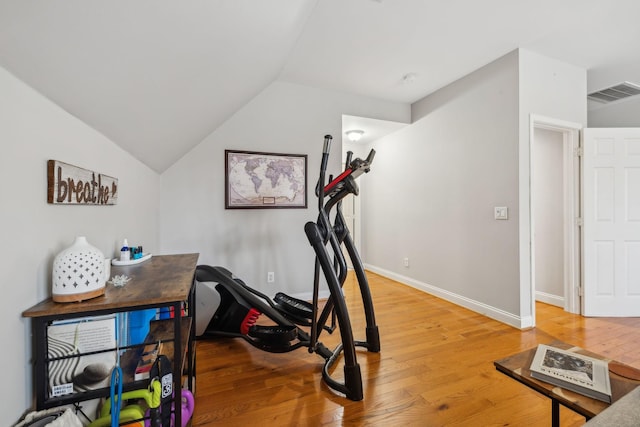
x,y
71,185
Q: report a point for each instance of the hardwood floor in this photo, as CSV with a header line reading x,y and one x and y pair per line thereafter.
x,y
435,368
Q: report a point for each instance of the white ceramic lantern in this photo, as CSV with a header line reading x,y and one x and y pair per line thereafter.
x,y
78,272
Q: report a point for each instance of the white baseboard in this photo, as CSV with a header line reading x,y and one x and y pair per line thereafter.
x,y
551,299
308,296
476,306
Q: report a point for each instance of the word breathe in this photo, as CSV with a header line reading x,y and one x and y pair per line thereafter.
x,y
68,184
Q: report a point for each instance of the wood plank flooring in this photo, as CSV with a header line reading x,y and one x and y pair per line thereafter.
x,y
435,368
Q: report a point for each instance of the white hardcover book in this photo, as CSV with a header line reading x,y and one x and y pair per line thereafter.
x,y
572,371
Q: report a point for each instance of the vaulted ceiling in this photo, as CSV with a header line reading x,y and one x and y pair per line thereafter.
x,y
158,76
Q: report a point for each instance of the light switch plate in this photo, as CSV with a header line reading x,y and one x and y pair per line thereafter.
x,y
501,212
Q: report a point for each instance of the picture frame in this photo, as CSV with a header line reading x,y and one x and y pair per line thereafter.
x,y
263,180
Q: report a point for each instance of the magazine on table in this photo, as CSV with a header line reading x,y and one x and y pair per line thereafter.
x,y
572,371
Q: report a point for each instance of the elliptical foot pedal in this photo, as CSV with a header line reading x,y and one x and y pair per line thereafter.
x,y
274,334
294,306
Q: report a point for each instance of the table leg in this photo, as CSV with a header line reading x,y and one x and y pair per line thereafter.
x,y
555,413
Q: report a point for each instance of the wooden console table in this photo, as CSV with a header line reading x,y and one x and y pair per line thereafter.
x,y
164,281
622,382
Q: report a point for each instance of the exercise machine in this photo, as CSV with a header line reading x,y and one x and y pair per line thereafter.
x,y
227,306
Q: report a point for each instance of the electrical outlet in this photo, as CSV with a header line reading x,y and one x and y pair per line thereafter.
x,y
271,277
405,262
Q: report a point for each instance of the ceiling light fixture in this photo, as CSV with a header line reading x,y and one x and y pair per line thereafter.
x,y
354,135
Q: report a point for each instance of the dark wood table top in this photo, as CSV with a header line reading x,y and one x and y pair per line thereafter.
x,y
163,279
624,378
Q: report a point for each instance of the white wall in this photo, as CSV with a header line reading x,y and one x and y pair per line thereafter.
x,y
548,215
284,118
552,89
431,194
437,181
32,131
624,113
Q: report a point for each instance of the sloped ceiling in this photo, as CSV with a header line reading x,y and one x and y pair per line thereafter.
x,y
157,76
154,76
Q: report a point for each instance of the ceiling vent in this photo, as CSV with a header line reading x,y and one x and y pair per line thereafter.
x,y
615,93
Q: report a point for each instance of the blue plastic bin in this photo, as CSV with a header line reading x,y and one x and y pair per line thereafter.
x,y
139,325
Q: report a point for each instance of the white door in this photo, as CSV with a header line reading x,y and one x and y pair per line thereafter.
x,y
611,231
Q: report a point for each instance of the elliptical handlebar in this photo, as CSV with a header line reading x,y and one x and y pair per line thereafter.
x,y
354,169
327,144
371,155
326,150
360,166
348,159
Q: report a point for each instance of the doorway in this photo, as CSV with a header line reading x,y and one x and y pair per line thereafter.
x,y
372,131
555,213
547,219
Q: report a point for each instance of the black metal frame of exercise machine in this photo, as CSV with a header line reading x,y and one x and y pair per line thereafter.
x,y
240,305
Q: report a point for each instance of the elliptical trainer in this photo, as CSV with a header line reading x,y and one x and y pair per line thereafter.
x,y
226,306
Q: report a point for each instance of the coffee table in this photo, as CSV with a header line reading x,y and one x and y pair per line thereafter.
x,y
624,378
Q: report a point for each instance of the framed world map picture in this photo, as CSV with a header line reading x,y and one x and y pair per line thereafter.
x,y
255,180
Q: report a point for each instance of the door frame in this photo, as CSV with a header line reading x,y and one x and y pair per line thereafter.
x,y
571,210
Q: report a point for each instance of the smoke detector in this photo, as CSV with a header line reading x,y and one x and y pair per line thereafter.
x,y
615,93
409,78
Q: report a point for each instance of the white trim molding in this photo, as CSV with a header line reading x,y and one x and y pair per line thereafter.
x,y
475,306
551,299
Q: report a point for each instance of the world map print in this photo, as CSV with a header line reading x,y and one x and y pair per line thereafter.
x,y
259,180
